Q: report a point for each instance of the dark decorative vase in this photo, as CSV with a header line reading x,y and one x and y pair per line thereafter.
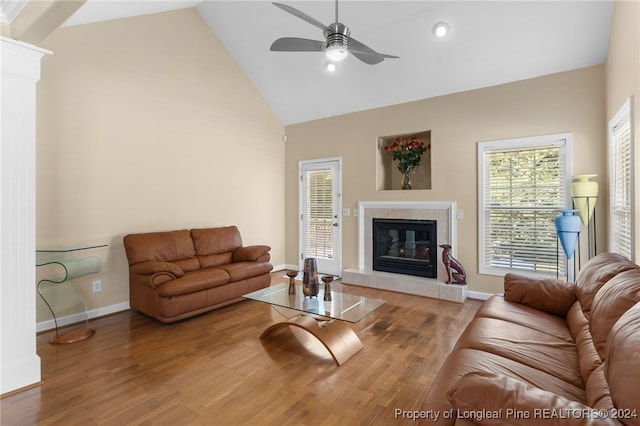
x,y
568,228
326,279
310,286
292,282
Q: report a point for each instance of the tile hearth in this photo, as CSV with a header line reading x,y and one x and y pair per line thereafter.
x,y
420,286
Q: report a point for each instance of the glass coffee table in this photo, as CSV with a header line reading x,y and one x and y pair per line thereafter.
x,y
326,320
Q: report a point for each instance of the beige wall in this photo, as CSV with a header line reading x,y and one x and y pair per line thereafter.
x,y
623,80
566,102
148,124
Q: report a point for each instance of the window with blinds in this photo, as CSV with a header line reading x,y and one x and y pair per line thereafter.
x,y
318,220
522,184
621,181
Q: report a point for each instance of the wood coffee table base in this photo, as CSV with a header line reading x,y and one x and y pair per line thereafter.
x,y
340,340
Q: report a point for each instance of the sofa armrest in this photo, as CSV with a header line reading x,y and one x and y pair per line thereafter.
x,y
487,398
551,295
154,273
256,253
153,267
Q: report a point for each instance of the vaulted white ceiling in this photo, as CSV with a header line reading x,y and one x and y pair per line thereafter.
x,y
490,43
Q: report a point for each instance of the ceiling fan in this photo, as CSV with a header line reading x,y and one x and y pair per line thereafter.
x,y
337,45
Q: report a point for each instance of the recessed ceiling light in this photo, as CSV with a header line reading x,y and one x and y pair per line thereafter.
x,y
441,29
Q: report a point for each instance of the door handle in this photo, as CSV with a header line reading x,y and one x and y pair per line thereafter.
x,y
336,225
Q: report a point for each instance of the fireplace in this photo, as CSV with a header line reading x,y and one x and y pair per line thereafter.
x,y
405,246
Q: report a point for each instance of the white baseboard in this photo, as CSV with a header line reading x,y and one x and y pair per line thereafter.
x,y
280,267
285,266
80,317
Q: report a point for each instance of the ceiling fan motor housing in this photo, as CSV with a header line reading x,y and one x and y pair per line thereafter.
x,y
337,37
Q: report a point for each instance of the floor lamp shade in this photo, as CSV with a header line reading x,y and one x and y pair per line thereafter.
x,y
568,229
585,195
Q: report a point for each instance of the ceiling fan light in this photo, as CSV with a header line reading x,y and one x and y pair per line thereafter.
x,y
336,52
441,29
330,67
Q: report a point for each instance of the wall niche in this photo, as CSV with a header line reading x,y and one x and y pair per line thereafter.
x,y
388,175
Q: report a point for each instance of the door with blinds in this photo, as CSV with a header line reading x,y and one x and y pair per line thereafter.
x,y
320,232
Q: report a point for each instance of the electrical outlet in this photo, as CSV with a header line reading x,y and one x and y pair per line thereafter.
x,y
97,286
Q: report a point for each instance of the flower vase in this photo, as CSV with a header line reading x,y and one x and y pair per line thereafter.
x,y
406,180
585,195
568,229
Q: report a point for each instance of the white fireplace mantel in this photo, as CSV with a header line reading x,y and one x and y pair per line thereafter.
x,y
444,212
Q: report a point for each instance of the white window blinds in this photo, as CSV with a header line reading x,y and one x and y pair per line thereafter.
x,y
318,220
522,184
620,181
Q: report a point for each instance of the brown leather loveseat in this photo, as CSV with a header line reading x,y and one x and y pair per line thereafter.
x,y
548,352
178,274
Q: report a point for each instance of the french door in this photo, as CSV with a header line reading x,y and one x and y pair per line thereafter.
x,y
320,207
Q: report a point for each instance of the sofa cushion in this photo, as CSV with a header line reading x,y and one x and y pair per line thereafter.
x,y
549,295
524,345
595,273
498,307
191,282
597,389
587,355
463,361
622,365
215,246
257,253
172,246
614,298
497,399
243,270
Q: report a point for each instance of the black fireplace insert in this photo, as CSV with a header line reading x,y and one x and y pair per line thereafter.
x,y
405,246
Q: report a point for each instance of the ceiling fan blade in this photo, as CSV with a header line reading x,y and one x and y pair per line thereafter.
x,y
365,53
382,55
294,44
360,47
367,57
301,15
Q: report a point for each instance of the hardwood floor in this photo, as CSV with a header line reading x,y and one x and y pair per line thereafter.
x,y
214,369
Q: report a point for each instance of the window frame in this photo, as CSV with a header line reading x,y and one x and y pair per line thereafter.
x,y
624,114
558,139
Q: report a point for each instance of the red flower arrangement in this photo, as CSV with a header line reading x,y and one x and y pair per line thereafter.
x,y
408,153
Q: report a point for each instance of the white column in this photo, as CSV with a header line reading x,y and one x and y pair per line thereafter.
x,y
20,71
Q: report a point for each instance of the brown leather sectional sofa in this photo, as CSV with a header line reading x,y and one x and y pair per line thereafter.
x,y
178,274
548,353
